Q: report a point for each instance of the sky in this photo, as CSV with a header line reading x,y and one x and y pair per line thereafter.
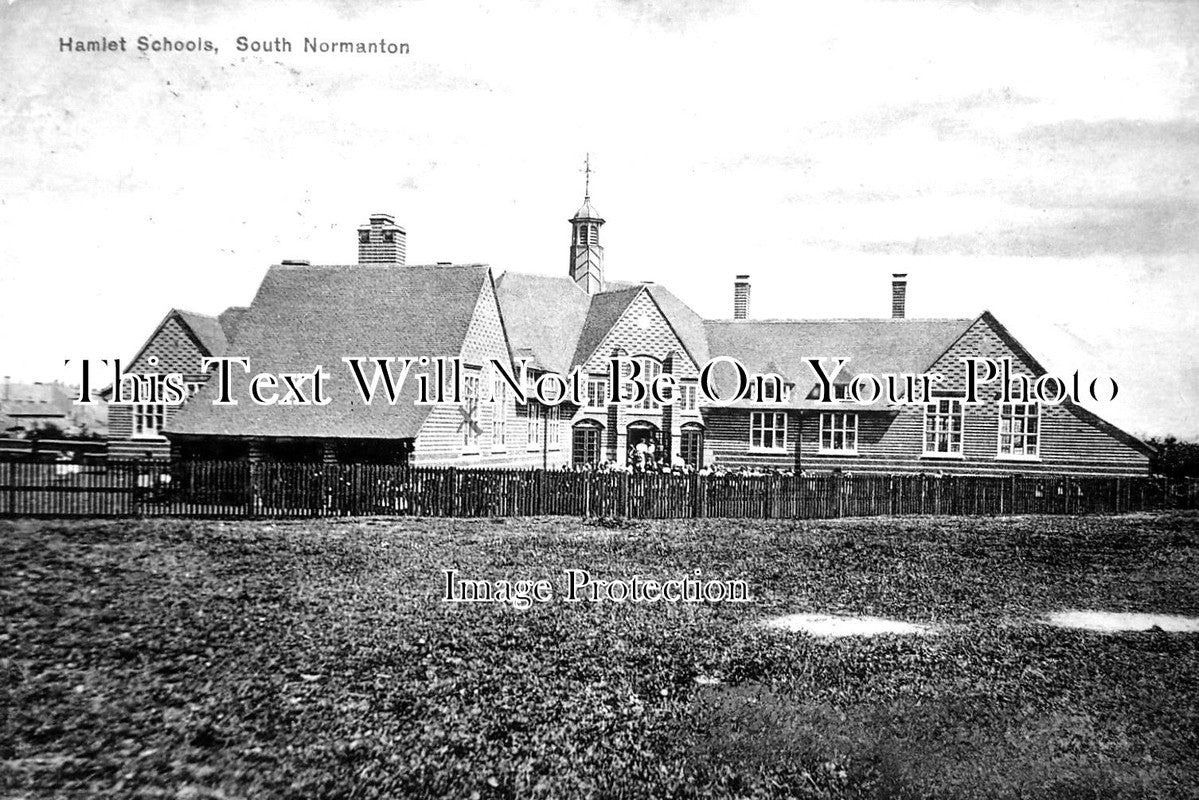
x,y
1036,159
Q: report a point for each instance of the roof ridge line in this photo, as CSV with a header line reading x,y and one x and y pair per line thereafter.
x,y
726,320
380,266
196,313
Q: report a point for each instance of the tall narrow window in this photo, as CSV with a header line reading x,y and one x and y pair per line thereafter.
x,y
1019,430
838,432
597,393
767,430
149,419
470,411
651,368
533,424
943,420
499,417
585,445
691,447
553,427
688,397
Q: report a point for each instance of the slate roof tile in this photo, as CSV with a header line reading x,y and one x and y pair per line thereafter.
x,y
304,316
877,346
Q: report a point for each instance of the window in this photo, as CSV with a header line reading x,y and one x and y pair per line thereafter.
x,y
688,397
582,234
691,447
838,432
148,420
499,417
943,427
470,411
771,388
768,430
1019,430
533,424
585,447
840,392
554,427
364,237
650,369
597,390
389,236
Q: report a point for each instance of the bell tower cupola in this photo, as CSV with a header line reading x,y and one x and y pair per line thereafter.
x,y
586,253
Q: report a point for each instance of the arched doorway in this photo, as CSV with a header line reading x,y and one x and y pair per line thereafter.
x,y
644,446
586,444
691,445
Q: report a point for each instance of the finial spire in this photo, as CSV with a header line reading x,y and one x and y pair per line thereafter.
x,y
586,254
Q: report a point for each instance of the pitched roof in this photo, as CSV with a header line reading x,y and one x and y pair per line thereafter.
x,y
561,325
605,309
1086,415
544,316
229,320
204,329
688,325
207,330
871,345
305,316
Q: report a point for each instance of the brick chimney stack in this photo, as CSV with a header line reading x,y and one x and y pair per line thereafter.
x,y
899,293
741,297
381,241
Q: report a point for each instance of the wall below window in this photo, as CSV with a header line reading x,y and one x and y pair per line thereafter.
x,y
892,441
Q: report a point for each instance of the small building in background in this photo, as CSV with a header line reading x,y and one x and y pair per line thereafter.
x,y
37,407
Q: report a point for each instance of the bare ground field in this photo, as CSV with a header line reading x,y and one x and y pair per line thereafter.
x,y
192,659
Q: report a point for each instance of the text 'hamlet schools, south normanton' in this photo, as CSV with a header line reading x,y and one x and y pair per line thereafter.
x,y
243,44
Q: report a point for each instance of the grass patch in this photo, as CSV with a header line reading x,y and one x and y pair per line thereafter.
x,y
188,658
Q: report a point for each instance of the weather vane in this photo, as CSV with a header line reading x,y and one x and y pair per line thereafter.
x,y
587,173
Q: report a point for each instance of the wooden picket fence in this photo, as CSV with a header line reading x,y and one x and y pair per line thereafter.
x,y
235,489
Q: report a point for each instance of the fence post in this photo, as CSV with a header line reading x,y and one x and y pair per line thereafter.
x,y
542,490
586,494
12,488
626,481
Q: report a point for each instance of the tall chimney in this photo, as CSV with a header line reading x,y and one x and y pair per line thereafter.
x,y
741,297
899,293
381,241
